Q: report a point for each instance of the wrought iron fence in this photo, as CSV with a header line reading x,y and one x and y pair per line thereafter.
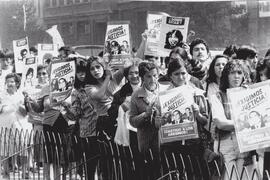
x,y
48,155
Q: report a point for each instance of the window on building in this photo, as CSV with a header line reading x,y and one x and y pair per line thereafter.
x,y
61,2
83,27
47,3
85,0
67,28
77,1
54,3
69,2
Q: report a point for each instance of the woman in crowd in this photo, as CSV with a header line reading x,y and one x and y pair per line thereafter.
x,y
232,77
142,107
53,122
263,74
102,86
178,74
12,115
214,74
83,111
121,102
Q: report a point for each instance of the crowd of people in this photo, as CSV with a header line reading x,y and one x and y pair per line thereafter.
x,y
120,104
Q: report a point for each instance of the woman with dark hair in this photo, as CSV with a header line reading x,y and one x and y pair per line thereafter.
x,y
214,74
82,111
174,39
193,147
263,70
232,77
102,86
121,101
29,77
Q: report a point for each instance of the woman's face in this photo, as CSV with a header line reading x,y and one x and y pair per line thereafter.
x,y
96,70
11,84
262,74
30,75
133,75
43,76
235,78
81,75
179,77
219,66
173,40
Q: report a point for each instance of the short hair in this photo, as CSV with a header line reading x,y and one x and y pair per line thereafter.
x,y
135,63
254,112
262,65
212,77
145,67
245,52
229,67
196,42
16,77
180,51
33,49
42,66
175,65
230,50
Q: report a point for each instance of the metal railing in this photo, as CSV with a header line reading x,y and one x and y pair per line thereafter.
x,y
50,155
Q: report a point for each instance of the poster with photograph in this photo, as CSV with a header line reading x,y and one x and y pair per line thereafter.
x,y
117,46
153,26
21,52
62,78
46,52
250,109
173,32
29,75
6,67
177,115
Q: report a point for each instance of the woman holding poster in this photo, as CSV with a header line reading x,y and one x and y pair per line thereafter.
x,y
226,143
179,76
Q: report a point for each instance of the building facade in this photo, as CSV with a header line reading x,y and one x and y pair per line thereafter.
x,y
220,23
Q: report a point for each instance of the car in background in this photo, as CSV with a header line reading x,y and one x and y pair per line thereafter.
x,y
88,50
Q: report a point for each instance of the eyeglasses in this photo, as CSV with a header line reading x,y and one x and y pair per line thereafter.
x,y
43,73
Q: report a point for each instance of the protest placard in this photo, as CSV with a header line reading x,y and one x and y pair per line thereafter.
x,y
173,32
21,52
177,115
250,110
61,80
153,34
29,75
46,52
117,46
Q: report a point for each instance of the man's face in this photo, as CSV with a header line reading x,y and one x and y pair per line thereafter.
x,y
151,80
200,53
254,119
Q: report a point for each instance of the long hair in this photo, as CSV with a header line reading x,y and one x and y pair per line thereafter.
x,y
262,65
89,78
212,77
80,67
229,67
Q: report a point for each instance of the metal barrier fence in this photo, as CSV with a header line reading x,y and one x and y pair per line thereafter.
x,y
53,156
